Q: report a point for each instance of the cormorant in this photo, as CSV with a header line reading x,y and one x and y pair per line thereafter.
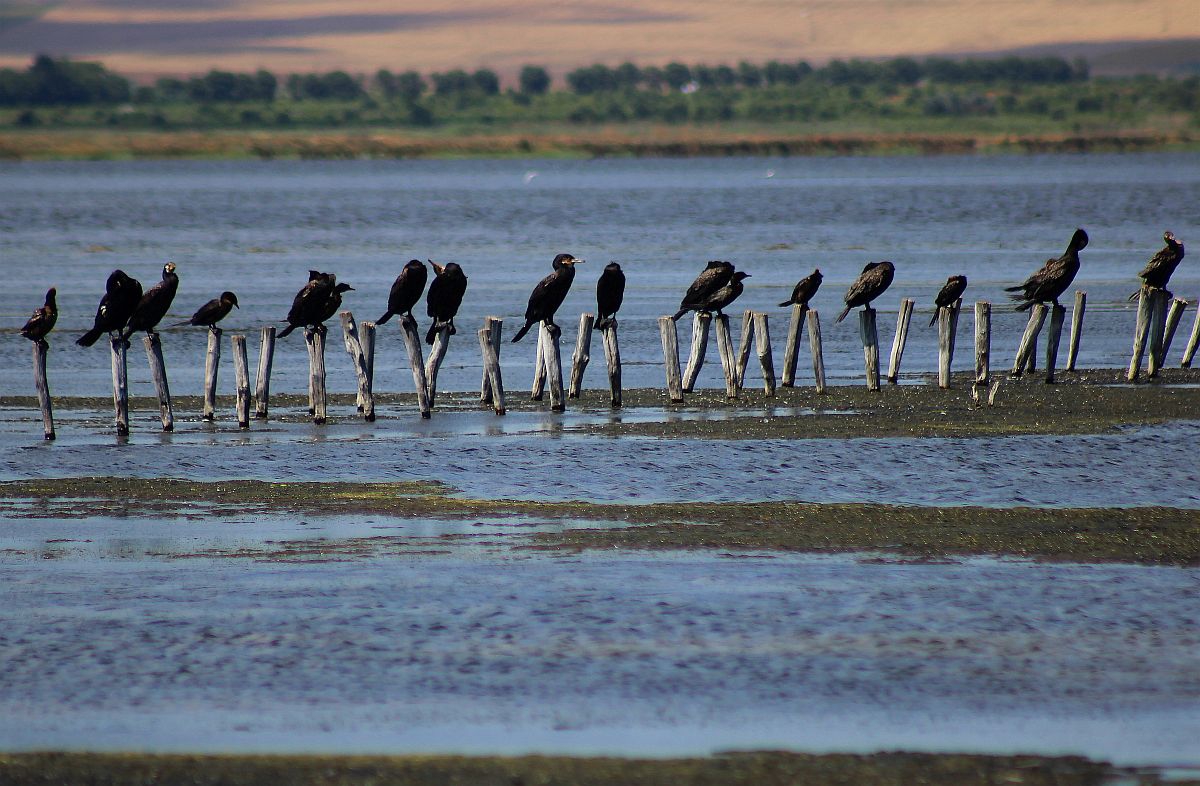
x,y
334,302
549,294
951,291
870,284
805,289
715,275
309,304
726,294
610,292
406,290
445,296
1157,272
1053,278
43,319
121,297
213,311
154,303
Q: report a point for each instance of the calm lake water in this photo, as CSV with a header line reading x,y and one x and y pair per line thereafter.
x,y
257,227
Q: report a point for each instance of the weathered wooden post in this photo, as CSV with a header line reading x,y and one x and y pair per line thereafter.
x,y
315,339
1193,342
43,387
583,354
903,319
1141,330
869,333
262,385
412,343
1076,328
1174,316
612,357
437,353
212,361
366,340
670,345
358,357
983,343
947,332
1158,320
538,390
120,378
744,346
818,353
158,372
728,361
241,376
548,338
1028,346
1058,315
791,349
696,353
489,349
762,345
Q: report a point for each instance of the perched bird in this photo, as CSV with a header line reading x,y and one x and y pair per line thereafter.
x,y
445,296
714,276
213,311
1053,278
406,290
121,297
43,319
1157,272
870,284
308,306
726,294
334,302
549,294
610,292
805,289
951,291
154,303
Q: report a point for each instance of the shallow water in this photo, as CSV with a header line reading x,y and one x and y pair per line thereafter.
x,y
257,227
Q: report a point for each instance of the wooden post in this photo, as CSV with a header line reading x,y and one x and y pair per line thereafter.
x,y
548,338
412,343
43,387
869,334
1058,315
1174,316
1076,328
538,390
670,345
983,343
366,340
358,356
744,346
791,349
120,378
262,386
1158,319
903,319
583,354
696,353
1193,342
612,356
437,353
489,349
947,331
315,338
728,361
212,361
1141,330
762,345
241,376
493,326
1028,346
158,371
818,354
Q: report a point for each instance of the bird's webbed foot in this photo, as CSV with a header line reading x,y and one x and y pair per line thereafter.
x,y
555,330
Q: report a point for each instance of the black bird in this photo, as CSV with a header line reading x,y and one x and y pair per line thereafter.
x,y
549,294
334,302
875,278
726,294
308,307
716,275
154,303
445,296
951,291
213,311
121,297
805,289
1157,272
43,319
610,292
1053,278
406,290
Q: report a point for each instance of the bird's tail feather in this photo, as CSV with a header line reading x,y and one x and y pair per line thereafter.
x,y
89,338
842,315
1028,304
785,303
1017,288
383,319
433,330
521,333
936,313
283,333
679,314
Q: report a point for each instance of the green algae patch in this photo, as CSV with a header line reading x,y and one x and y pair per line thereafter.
x,y
759,769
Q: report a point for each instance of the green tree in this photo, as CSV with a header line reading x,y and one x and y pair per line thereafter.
x,y
534,80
